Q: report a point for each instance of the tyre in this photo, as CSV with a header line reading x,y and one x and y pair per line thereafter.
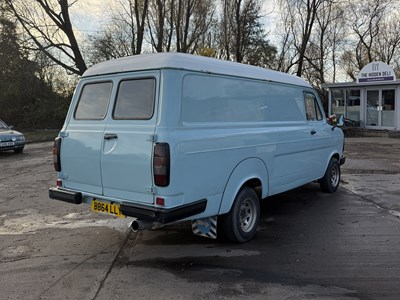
x,y
240,224
330,182
18,150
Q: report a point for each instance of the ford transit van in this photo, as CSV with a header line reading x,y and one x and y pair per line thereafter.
x,y
174,137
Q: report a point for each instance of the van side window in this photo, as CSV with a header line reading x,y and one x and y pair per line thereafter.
x,y
93,101
226,99
135,99
313,112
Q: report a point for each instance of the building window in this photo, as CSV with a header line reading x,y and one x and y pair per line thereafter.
x,y
338,103
346,103
353,100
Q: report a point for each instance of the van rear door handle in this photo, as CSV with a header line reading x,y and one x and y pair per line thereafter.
x,y
313,132
110,136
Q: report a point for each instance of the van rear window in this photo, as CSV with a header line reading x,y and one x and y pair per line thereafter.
x,y
93,101
135,99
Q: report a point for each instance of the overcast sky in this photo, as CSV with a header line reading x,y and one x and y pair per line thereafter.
x,y
88,15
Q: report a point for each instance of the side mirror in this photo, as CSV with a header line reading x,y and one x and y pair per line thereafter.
x,y
11,127
340,122
334,121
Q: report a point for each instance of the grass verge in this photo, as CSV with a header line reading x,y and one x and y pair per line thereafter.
x,y
35,136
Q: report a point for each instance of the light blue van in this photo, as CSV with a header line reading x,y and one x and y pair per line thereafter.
x,y
170,137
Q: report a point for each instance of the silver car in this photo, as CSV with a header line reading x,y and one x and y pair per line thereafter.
x,y
11,139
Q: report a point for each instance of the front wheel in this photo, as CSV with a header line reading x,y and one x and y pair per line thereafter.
x,y
240,224
18,150
330,182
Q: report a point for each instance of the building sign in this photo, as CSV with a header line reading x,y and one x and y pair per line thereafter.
x,y
376,72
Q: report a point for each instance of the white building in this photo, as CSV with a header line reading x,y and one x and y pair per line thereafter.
x,y
373,102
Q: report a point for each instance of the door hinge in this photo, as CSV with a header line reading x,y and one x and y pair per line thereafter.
x,y
151,138
151,189
63,175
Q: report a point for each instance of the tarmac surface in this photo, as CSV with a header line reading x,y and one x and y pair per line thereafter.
x,y
309,245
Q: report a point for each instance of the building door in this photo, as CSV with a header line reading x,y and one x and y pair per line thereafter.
x,y
388,108
380,108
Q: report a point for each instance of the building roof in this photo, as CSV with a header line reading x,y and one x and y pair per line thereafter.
x,y
359,84
190,62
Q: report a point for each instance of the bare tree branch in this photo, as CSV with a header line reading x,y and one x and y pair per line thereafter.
x,y
49,27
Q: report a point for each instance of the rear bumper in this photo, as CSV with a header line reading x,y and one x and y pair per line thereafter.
x,y
65,195
141,212
163,215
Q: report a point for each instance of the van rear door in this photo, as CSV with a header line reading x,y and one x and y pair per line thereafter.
x,y
126,159
83,136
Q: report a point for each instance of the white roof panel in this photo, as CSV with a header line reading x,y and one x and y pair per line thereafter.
x,y
172,60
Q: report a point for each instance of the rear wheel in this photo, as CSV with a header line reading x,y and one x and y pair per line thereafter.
x,y
330,182
240,224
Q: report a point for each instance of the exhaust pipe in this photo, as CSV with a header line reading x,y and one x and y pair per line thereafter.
x,y
137,225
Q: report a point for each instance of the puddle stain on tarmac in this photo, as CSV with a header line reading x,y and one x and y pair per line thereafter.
x,y
31,221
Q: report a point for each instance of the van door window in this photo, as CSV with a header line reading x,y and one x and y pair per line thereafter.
x,y
135,99
313,112
93,101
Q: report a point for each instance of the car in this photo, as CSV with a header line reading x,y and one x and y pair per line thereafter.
x,y
11,139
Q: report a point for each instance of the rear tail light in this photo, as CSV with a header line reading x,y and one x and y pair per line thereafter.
x,y
160,201
56,154
161,164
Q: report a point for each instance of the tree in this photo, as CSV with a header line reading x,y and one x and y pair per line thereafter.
x,y
123,35
365,22
242,33
374,24
286,55
160,21
171,25
25,98
15,73
302,17
388,41
49,29
193,19
325,41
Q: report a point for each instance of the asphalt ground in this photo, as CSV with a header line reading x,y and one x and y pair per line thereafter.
x,y
309,245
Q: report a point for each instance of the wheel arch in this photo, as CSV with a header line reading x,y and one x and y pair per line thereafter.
x,y
334,154
250,172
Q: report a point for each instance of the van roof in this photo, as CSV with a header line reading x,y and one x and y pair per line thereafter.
x,y
172,60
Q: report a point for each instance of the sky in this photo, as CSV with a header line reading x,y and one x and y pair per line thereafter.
x,y
88,15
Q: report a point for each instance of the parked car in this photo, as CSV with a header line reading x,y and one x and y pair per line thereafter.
x,y
11,139
171,137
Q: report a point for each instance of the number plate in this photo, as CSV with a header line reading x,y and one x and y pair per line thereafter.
x,y
5,144
108,208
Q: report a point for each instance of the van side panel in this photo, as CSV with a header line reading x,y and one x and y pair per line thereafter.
x,y
222,121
